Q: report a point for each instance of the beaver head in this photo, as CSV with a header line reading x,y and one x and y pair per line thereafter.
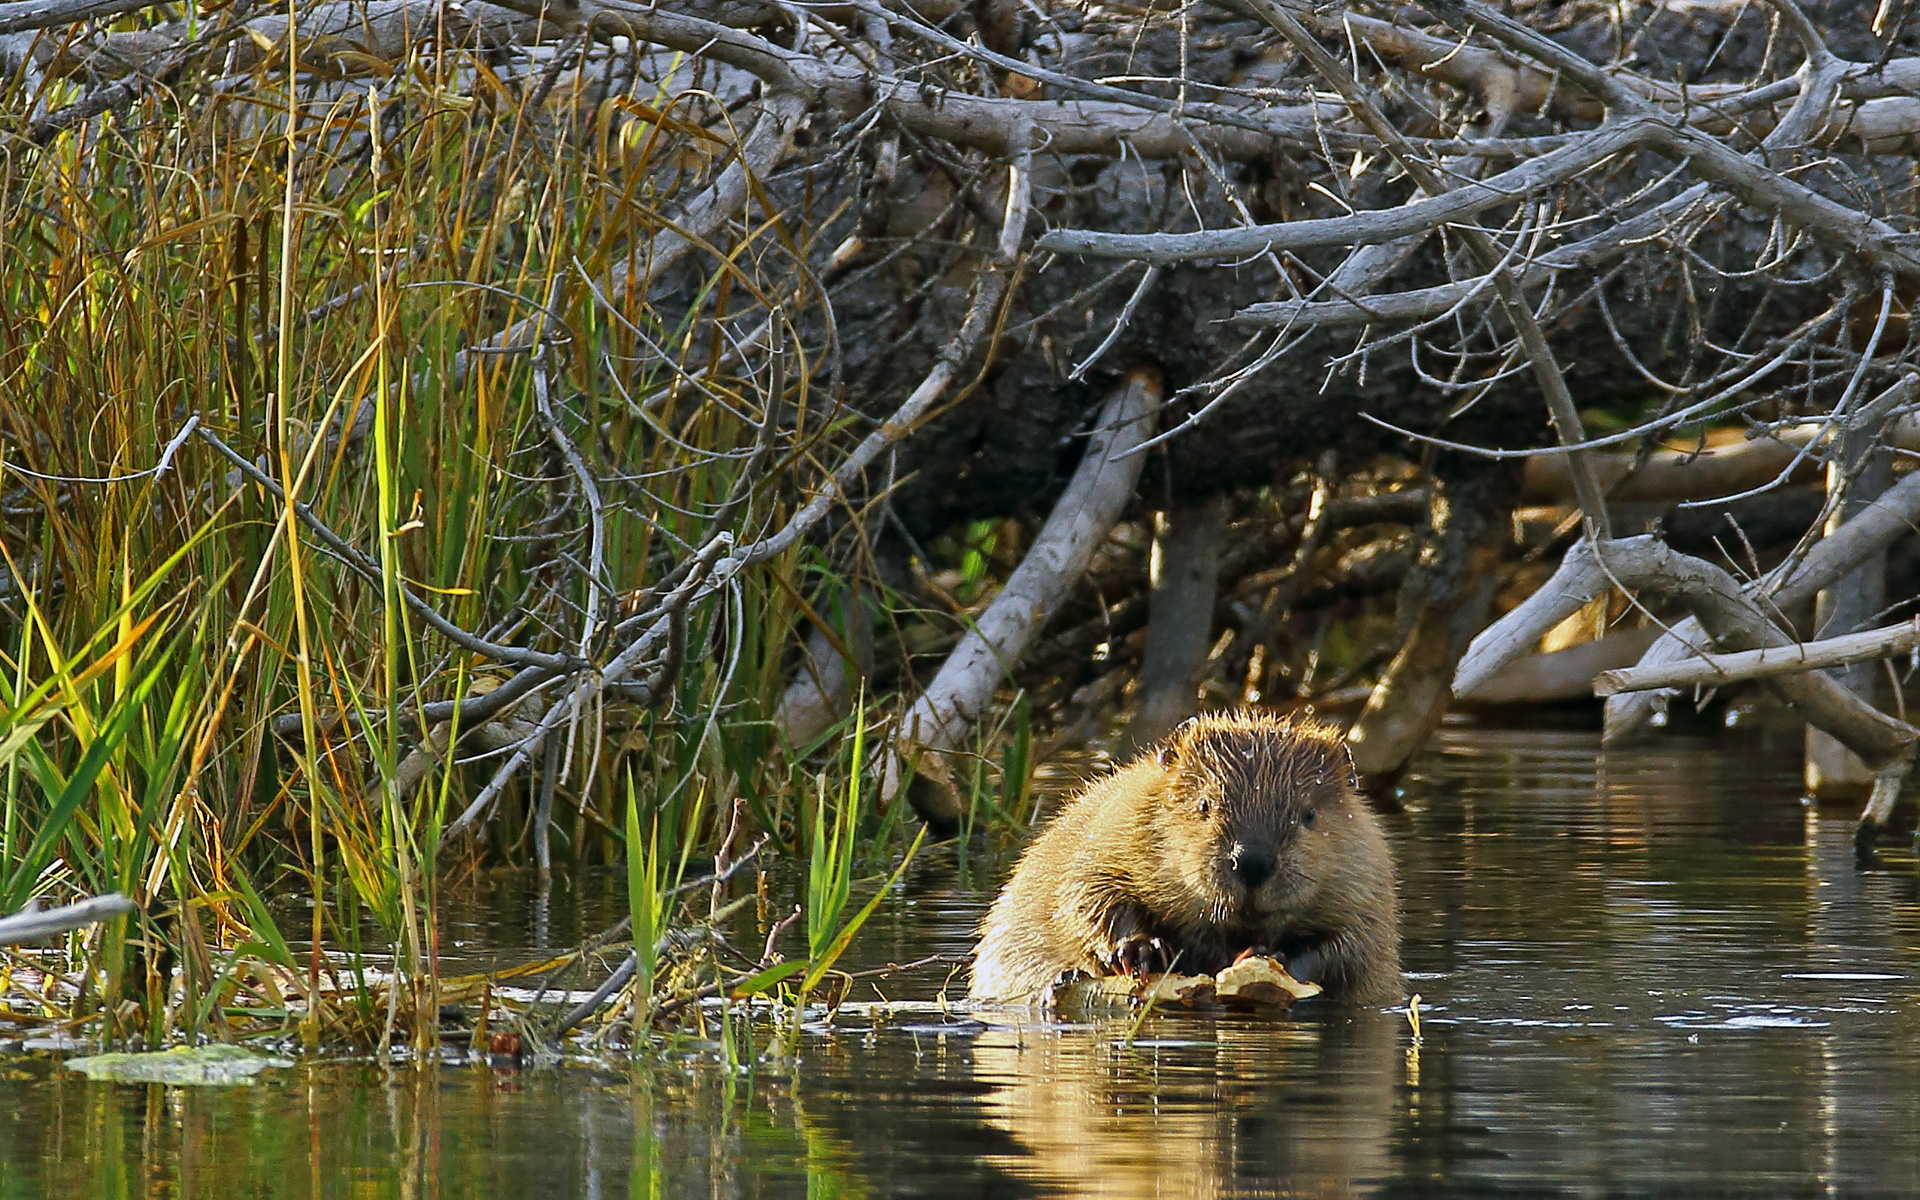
x,y
1252,813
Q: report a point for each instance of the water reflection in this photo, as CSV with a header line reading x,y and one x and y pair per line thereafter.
x,y
1251,1106
1644,973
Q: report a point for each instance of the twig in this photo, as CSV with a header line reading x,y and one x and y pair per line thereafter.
x,y
370,571
1546,369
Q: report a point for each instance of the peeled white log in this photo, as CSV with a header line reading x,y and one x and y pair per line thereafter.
x,y
1099,490
1729,616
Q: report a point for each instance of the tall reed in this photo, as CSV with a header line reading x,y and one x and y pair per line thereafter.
x,y
241,328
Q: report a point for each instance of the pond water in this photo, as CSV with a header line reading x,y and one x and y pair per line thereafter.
x,y
1643,972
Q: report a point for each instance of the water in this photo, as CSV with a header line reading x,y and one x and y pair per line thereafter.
x,y
1652,972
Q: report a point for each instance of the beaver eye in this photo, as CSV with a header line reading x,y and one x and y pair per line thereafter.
x,y
1308,817
1205,807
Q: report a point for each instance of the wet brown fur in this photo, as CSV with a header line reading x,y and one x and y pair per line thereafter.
x,y
1166,847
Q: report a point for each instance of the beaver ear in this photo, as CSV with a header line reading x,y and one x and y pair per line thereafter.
x,y
1169,750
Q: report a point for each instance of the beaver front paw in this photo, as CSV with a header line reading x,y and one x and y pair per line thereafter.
x,y
1307,965
1139,955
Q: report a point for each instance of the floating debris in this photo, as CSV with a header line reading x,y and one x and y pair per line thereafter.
x,y
200,1066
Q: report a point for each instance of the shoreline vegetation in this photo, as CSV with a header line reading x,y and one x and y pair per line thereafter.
x,y
696,437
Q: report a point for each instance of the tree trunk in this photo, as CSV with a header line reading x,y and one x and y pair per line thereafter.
x,y
1184,578
1443,605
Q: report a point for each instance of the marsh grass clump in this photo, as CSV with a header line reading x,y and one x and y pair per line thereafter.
x,y
384,498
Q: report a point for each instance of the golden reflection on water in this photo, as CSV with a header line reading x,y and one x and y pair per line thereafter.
x,y
1197,1107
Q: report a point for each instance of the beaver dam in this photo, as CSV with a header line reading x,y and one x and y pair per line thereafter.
x,y
552,557
1647,970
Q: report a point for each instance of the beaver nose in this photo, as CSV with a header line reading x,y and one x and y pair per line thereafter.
x,y
1252,863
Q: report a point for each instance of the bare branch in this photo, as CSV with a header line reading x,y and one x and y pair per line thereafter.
x,y
1723,609
1363,228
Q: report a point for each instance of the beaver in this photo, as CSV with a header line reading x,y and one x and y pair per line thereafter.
x,y
1240,832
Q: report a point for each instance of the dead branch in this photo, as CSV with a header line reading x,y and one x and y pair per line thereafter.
x,y
33,924
1361,229
1728,615
1867,533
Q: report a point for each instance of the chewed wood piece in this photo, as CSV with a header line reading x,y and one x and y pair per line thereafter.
x,y
1249,983
1261,982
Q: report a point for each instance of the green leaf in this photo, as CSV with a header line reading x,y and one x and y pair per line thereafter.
x,y
823,964
763,981
261,920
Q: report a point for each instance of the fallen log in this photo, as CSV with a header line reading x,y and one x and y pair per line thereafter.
x,y
963,688
1567,674
1722,466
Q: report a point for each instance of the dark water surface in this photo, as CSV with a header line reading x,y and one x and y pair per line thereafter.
x,y
1651,972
